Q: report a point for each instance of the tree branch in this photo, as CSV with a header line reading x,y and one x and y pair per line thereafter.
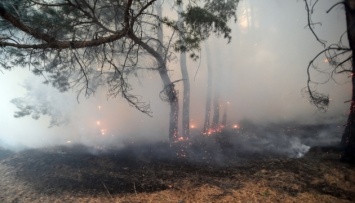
x,y
309,12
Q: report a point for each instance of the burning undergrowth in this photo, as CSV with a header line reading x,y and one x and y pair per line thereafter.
x,y
226,147
220,164
252,141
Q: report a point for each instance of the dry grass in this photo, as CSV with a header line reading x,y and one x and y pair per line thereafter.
x,y
43,176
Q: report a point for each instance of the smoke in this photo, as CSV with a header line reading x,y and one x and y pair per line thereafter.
x,y
262,72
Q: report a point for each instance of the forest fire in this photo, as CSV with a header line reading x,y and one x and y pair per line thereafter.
x,y
103,131
212,131
181,139
219,129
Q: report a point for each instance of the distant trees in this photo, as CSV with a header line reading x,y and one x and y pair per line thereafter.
x,y
88,43
341,58
214,99
208,110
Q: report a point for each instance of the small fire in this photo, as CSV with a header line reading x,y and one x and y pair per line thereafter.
x,y
235,126
99,107
98,122
219,129
213,131
192,126
179,139
103,131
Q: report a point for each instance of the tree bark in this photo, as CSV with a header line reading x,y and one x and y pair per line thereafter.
x,y
206,125
348,139
215,119
185,82
169,87
224,117
216,99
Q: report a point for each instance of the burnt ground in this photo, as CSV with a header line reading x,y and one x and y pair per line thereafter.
x,y
157,172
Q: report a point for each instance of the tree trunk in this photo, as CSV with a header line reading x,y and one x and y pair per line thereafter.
x,y
216,99
215,119
348,139
206,125
185,82
224,118
169,87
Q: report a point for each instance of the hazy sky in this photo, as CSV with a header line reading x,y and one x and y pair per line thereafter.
x,y
262,71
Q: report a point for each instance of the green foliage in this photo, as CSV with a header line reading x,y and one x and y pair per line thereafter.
x,y
200,22
36,110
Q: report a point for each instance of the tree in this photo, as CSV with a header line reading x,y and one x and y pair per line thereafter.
x,y
88,43
208,111
342,59
214,87
185,78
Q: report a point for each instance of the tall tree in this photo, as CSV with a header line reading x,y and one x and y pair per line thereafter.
x,y
208,111
185,78
169,90
342,59
348,139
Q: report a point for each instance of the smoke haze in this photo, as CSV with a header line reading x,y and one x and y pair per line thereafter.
x,y
262,72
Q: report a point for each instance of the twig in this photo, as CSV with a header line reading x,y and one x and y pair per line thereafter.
x,y
135,191
334,6
310,23
106,189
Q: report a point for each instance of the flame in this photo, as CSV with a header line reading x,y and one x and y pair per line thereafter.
x,y
181,139
212,131
235,126
98,123
219,129
192,126
103,131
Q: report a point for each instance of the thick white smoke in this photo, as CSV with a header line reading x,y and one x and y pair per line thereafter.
x,y
262,70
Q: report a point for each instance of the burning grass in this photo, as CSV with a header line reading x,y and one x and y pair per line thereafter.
x,y
154,173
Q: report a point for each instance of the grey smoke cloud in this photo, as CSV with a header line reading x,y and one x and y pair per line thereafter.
x,y
262,70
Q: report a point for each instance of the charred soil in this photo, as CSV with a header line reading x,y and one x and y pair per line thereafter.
x,y
161,173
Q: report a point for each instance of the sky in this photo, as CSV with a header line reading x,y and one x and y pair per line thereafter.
x,y
262,72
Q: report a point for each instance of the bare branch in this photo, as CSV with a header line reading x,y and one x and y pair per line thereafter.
x,y
48,4
310,23
334,6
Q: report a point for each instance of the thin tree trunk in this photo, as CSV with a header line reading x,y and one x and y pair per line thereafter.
x,y
216,99
169,87
348,139
215,119
224,118
206,125
185,81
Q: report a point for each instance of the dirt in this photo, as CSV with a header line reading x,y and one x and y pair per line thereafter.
x,y
158,173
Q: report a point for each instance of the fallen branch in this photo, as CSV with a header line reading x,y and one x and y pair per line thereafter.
x,y
135,191
106,189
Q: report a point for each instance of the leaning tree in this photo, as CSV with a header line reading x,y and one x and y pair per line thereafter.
x,y
341,58
88,43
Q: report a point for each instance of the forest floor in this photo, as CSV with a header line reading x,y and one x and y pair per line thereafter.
x,y
155,173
